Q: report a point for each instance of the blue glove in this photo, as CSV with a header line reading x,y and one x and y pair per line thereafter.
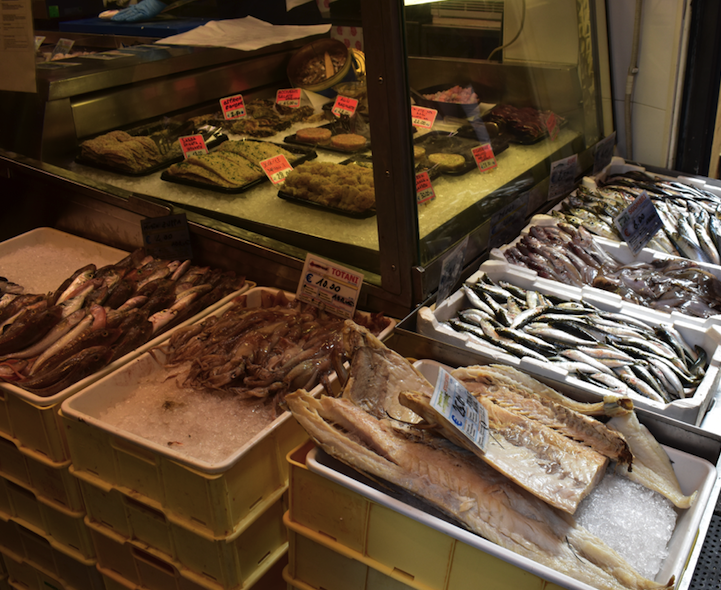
x,y
143,10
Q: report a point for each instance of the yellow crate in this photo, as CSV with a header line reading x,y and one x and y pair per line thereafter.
x,y
312,566
24,575
233,563
44,554
49,480
65,527
391,543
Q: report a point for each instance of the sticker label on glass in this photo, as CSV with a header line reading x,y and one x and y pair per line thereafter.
x,y
329,286
460,409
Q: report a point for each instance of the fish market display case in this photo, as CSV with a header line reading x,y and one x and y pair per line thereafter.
x,y
536,101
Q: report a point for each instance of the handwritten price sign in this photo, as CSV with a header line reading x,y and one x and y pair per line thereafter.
x,y
276,168
485,159
422,117
288,97
344,105
424,188
638,223
329,286
233,107
193,145
167,236
552,126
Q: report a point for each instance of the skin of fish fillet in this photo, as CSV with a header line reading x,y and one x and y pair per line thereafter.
x,y
651,467
465,488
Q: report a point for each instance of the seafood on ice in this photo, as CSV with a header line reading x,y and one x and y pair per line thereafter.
x,y
622,354
570,255
50,341
359,429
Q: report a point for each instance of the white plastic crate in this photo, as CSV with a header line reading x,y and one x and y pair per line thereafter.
x,y
211,497
690,410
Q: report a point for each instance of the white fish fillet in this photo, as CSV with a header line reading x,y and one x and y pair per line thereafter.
x,y
651,466
464,487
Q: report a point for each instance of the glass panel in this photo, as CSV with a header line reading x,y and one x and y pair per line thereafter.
x,y
517,75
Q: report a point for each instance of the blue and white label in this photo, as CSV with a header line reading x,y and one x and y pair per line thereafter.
x,y
460,409
638,223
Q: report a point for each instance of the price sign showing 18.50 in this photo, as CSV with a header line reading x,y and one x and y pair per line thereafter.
x,y
329,286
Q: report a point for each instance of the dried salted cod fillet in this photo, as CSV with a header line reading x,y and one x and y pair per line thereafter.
x,y
523,395
651,466
557,469
467,489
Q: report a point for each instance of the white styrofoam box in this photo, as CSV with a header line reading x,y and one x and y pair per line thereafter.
x,y
31,420
621,252
691,410
213,497
693,473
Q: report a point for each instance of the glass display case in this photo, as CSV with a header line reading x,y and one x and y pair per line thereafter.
x,y
475,99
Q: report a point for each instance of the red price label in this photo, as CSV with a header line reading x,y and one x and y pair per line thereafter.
x,y
485,160
233,107
423,117
288,97
424,188
276,168
552,126
344,106
193,145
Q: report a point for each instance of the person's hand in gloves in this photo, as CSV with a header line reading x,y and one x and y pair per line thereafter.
x,y
143,10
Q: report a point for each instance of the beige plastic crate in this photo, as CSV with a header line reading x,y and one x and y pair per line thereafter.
x,y
31,420
49,480
149,526
45,554
234,564
23,575
66,528
210,497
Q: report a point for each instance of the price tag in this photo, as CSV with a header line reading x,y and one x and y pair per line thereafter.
x,y
638,223
460,409
167,237
39,41
603,153
193,145
485,160
451,270
276,168
288,97
507,222
552,126
563,177
422,117
233,107
329,286
62,47
424,188
344,106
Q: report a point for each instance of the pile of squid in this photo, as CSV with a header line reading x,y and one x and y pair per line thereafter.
x,y
571,256
691,216
49,342
262,352
613,351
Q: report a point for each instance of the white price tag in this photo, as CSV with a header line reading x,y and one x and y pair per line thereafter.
x,y
463,411
329,286
638,223
603,152
563,177
167,236
451,270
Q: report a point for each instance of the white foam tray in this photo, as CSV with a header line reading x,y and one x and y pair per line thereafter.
x,y
692,472
690,410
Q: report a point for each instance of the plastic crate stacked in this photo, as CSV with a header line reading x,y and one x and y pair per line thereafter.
x,y
159,519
